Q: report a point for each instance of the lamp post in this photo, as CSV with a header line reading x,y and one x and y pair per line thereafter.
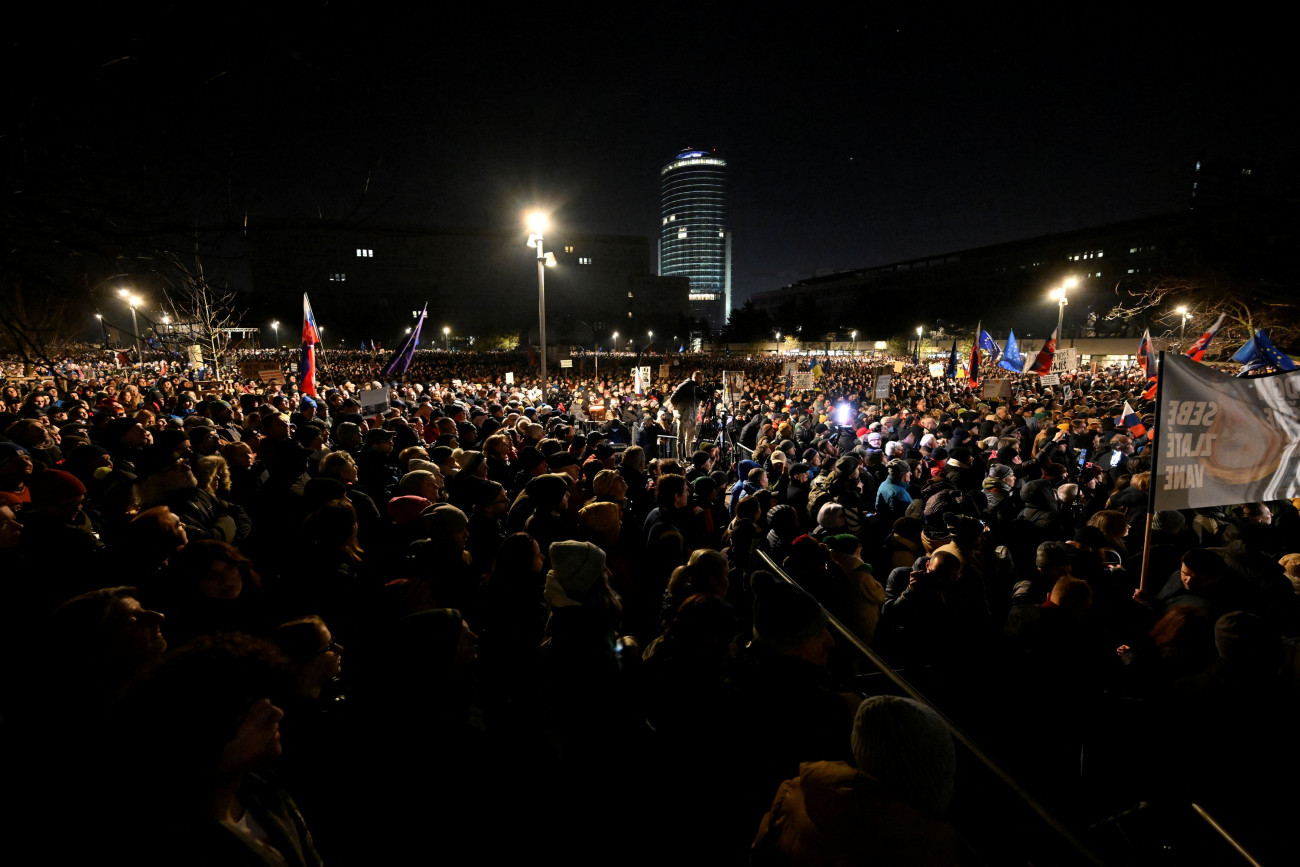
x,y
135,301
778,343
855,343
446,337
537,223
1061,296
1182,329
275,326
614,338
918,342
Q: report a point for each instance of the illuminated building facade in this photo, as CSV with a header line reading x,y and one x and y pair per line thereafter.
x,y
694,241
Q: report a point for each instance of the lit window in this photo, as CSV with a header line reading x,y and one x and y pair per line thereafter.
x,y
629,294
1130,270
629,314
681,234
1132,249
665,221
722,234
672,217
1101,254
366,254
1246,171
568,249
338,278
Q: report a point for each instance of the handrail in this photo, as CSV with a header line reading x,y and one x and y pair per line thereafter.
x,y
957,734
1222,832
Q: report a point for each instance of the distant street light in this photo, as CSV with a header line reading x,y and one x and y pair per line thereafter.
x,y
1182,330
614,337
135,301
855,343
918,341
778,343
1061,296
275,326
446,336
537,224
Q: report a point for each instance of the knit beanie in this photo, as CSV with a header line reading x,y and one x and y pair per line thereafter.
x,y
1168,521
404,510
576,567
844,543
53,487
784,616
1008,454
906,746
1000,471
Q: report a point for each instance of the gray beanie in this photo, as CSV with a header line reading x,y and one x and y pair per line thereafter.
x,y
576,567
1000,471
907,747
1168,521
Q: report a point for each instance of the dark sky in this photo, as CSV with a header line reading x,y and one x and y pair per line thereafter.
x,y
853,140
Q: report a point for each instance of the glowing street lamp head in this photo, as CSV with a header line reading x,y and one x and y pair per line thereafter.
x,y
135,300
918,330
1057,294
537,222
1181,310
1070,282
275,323
650,334
446,330
615,335
124,292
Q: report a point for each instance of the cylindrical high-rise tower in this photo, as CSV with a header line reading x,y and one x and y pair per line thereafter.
x,y
694,241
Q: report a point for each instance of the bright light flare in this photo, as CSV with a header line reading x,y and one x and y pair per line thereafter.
x,y
537,222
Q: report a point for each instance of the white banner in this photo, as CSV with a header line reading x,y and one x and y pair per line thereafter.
x,y
801,381
1050,379
1066,360
936,371
566,362
1224,440
510,378
645,374
374,401
881,391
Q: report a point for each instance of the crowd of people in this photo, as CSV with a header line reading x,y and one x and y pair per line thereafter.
x,y
255,626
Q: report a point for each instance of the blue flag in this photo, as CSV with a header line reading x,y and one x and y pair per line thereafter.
x,y
989,345
951,373
1259,352
405,354
1011,359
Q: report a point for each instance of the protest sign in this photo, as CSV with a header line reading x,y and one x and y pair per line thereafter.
x,y
996,389
881,391
1050,379
1222,440
801,381
510,378
1065,360
898,367
271,374
645,374
566,362
936,371
374,401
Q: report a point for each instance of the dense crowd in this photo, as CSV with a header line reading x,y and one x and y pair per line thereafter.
x,y
252,626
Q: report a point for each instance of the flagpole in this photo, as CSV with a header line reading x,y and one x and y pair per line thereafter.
x,y
1151,488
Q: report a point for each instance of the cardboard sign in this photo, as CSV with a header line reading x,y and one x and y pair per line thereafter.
x,y
996,389
566,362
271,374
898,367
1050,379
374,401
790,368
645,374
510,378
936,371
666,371
801,381
1065,361
881,391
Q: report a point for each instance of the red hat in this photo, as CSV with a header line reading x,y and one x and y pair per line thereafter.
x,y
404,510
53,487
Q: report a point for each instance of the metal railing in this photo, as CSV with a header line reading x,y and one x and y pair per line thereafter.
x,y
1081,850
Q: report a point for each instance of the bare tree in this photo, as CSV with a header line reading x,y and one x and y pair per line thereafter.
x,y
1206,295
202,314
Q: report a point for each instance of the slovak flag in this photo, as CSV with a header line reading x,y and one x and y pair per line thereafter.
x,y
310,340
1147,355
1197,350
1043,361
1130,419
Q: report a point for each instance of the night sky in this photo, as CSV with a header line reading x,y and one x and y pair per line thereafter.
x,y
853,140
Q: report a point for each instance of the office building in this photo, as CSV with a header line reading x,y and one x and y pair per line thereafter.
x,y
694,241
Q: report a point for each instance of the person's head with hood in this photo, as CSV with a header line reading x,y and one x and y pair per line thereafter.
x,y
906,746
783,523
579,577
549,493
348,435
600,523
743,468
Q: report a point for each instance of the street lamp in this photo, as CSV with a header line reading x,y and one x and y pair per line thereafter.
x,y
1061,296
778,343
135,301
446,337
1182,329
855,343
918,342
615,339
537,224
275,326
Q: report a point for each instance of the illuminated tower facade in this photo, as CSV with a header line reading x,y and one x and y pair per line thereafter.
x,y
694,241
